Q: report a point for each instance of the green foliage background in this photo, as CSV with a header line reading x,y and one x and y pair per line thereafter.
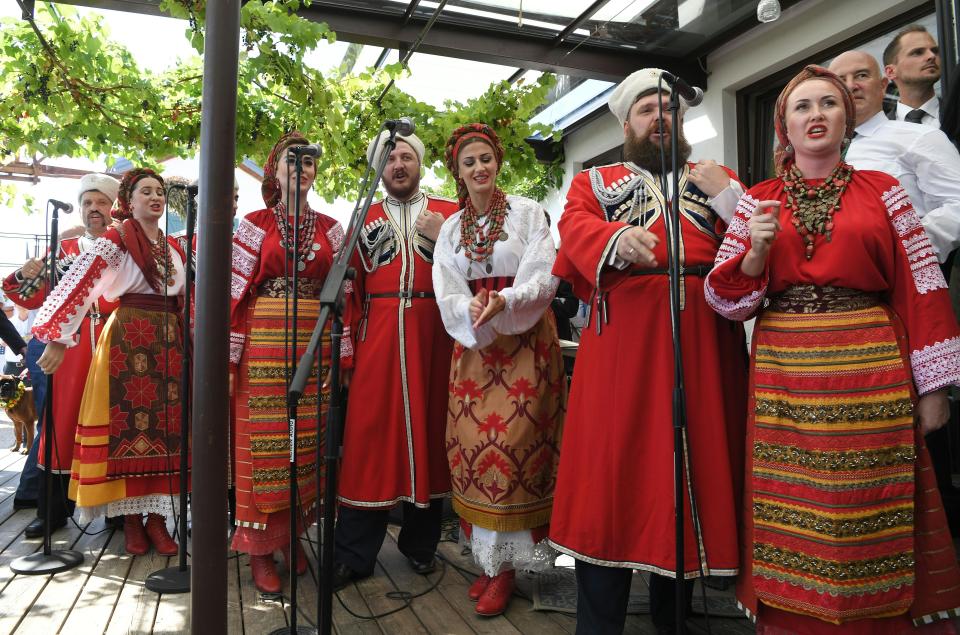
x,y
77,93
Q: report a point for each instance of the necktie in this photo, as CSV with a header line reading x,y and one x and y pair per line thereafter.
x,y
915,116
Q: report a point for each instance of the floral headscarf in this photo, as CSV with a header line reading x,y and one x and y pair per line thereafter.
x,y
783,157
121,208
458,139
270,187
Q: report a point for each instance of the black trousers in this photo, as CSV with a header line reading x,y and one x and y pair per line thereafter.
x,y
603,594
359,534
61,507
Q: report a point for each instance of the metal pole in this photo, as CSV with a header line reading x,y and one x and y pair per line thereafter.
x,y
208,602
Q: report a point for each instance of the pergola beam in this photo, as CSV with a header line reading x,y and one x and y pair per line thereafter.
x,y
495,47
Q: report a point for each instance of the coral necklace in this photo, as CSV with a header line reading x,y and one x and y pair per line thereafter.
x,y
478,238
814,205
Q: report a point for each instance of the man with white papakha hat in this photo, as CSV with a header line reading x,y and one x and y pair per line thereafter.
x,y
617,514
27,287
393,446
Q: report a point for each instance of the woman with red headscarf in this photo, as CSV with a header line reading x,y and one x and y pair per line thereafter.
x,y
269,250
126,456
492,279
854,346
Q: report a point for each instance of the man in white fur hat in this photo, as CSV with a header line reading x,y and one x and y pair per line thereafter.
x,y
393,446
28,287
613,504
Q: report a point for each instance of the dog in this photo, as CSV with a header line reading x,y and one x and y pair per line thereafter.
x,y
23,414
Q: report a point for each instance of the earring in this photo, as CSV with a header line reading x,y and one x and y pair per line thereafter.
x,y
845,143
789,148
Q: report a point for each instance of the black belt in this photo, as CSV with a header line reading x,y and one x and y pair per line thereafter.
x,y
405,295
695,270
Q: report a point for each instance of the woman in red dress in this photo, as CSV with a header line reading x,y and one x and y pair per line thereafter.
x,y
854,347
262,313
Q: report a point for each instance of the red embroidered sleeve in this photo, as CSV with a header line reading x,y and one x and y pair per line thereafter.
x,y
60,315
246,261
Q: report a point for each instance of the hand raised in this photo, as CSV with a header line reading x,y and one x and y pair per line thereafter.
x,y
710,177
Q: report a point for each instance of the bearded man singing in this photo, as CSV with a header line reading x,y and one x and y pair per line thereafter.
x,y
613,507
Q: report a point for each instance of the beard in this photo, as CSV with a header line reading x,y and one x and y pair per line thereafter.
x,y
646,154
404,191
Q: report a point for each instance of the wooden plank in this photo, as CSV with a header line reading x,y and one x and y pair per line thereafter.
x,y
454,588
347,624
306,589
137,605
432,609
260,615
21,591
234,603
173,610
52,607
94,607
374,590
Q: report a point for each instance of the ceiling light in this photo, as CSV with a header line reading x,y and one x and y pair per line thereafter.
x,y
768,10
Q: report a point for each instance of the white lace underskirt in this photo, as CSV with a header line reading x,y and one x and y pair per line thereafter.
x,y
496,551
162,504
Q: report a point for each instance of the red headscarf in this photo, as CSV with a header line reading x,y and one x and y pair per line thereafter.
x,y
134,238
270,187
456,142
782,157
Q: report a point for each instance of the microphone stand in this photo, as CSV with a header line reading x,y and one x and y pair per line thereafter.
x,y
293,240
331,303
48,561
679,390
177,579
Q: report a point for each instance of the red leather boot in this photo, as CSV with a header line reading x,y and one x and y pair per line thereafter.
x,y
495,598
478,587
301,558
136,539
264,572
157,531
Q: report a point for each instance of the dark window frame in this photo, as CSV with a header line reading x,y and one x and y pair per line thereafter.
x,y
755,103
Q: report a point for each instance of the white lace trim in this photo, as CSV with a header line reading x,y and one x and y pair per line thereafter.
x,y
740,310
237,341
238,284
335,236
163,504
244,261
937,365
920,253
346,343
104,248
250,235
494,551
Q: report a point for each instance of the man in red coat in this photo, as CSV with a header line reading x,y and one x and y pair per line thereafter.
x,y
28,287
393,447
613,508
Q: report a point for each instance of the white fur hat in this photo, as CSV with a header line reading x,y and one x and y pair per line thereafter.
x,y
378,142
106,185
625,95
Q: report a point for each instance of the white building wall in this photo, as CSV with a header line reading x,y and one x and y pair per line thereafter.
x,y
799,33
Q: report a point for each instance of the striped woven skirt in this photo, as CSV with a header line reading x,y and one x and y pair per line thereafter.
x,y
262,447
842,521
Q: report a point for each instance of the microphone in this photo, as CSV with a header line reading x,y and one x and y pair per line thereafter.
x,y
66,208
403,126
312,150
691,94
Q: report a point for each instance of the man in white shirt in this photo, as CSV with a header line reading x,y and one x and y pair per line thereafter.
x,y
920,157
912,62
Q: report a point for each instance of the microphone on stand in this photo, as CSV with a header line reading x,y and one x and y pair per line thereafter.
x,y
66,208
403,126
312,150
691,94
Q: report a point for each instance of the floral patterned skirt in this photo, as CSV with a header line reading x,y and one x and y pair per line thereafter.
x,y
128,433
507,403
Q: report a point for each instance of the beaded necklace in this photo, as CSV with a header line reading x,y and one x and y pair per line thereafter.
x,y
814,206
477,238
161,256
306,249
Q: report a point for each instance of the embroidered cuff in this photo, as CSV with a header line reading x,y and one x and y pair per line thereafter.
x,y
936,366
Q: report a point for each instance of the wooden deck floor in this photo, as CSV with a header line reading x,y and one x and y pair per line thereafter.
x,y
106,593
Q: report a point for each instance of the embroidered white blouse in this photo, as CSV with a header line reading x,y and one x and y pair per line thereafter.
x,y
527,255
